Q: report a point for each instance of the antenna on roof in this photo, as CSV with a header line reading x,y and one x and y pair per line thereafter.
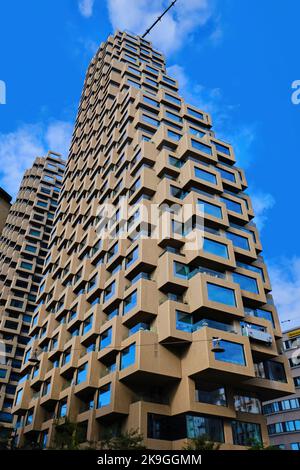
x,y
159,18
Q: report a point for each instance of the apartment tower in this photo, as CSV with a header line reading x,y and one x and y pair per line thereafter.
x,y
23,248
128,314
283,416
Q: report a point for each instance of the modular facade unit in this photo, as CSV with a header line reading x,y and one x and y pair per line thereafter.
x,y
129,309
5,204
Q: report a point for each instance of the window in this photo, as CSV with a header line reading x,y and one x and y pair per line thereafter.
x,y
233,354
221,294
25,265
215,248
104,396
130,302
172,98
181,270
222,148
87,324
19,395
202,147
109,291
210,209
227,175
238,241
6,417
174,135
173,116
259,313
132,257
205,175
297,381
30,248
29,417
82,373
210,394
194,113
284,405
271,370
232,205
148,100
285,426
295,445
246,283
245,433
66,357
128,357
2,373
106,338
46,387
196,132
62,409
150,120
208,426
247,404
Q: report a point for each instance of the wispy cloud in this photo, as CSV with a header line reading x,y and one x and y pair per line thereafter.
x,y
262,203
177,27
19,148
86,7
285,279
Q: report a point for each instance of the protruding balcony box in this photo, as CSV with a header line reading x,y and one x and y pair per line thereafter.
x,y
188,178
76,349
120,254
206,117
117,329
229,157
146,155
163,165
138,413
242,217
120,397
79,306
233,183
166,322
250,298
147,257
55,388
153,362
242,254
194,203
37,418
147,185
92,377
195,253
42,367
211,368
163,194
197,297
38,317
118,294
146,302
161,137
50,325
186,148
93,332
23,404
63,336
271,389
262,342
184,401
166,279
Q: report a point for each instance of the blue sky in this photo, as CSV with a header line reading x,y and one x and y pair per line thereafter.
x,y
236,59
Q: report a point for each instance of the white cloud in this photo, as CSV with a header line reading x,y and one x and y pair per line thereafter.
x,y
173,31
285,280
18,149
86,7
262,202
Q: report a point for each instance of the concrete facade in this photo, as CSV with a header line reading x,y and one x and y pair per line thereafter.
x,y
128,313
